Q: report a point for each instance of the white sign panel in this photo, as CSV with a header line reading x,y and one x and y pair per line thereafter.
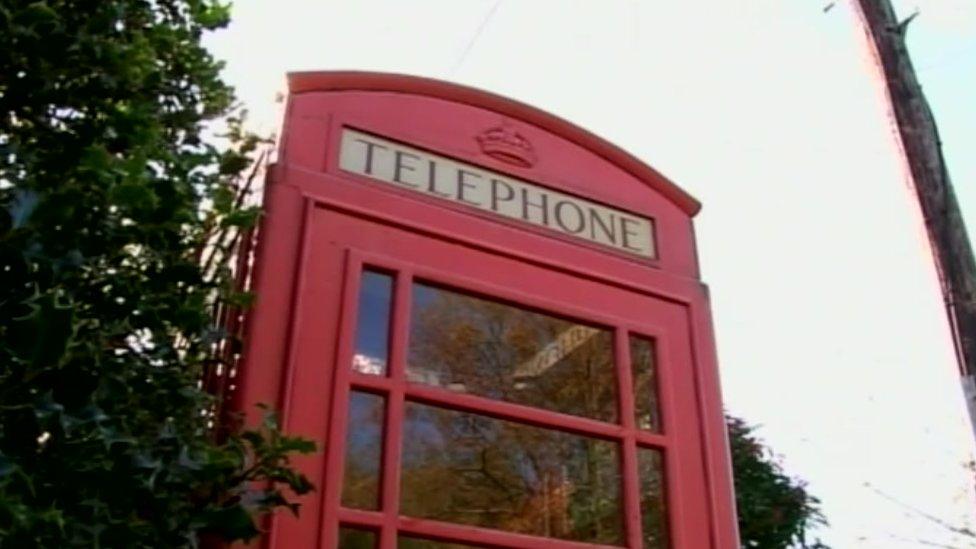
x,y
434,175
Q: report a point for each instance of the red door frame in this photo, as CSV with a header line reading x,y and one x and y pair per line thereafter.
x,y
286,335
630,313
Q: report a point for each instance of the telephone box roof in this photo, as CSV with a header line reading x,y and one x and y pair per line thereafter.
x,y
302,82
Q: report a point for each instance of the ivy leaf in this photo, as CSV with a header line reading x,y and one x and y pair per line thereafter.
x,y
223,199
38,14
241,300
47,407
22,206
105,157
244,218
112,435
233,163
231,523
6,466
214,16
41,337
134,196
297,444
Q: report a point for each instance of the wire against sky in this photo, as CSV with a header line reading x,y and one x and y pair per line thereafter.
x,y
474,38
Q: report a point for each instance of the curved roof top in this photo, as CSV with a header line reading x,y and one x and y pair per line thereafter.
x,y
299,82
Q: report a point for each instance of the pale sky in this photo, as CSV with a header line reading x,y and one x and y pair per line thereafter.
x,y
830,329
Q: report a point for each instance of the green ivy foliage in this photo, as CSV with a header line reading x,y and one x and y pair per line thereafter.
x,y
109,194
775,511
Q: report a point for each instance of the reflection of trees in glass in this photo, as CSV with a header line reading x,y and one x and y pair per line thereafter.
x,y
350,538
499,351
644,374
470,469
654,526
364,439
501,474
404,542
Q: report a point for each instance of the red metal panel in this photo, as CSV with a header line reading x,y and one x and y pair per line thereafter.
x,y
435,125
305,82
714,433
323,224
341,370
268,325
311,335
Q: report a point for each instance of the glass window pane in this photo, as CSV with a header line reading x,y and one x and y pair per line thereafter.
x,y
364,441
644,372
350,538
653,508
470,469
404,542
373,324
471,345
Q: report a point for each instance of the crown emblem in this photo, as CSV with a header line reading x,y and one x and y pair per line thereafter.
x,y
505,144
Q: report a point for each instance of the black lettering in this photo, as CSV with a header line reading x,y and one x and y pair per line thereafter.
x,y
580,219
432,180
462,184
399,167
369,154
609,230
495,185
626,232
543,206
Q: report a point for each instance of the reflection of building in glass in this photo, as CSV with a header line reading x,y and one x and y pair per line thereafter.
x,y
556,350
368,364
501,351
423,375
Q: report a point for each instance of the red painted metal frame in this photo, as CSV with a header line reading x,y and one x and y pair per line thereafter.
x,y
472,271
304,82
299,335
396,390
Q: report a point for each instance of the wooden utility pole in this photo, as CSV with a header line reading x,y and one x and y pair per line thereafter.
x,y
940,210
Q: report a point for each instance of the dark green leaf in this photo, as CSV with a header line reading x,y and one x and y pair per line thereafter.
x,y
112,197
22,206
41,337
231,523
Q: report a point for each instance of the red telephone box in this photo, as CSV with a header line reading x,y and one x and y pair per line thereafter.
x,y
492,323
